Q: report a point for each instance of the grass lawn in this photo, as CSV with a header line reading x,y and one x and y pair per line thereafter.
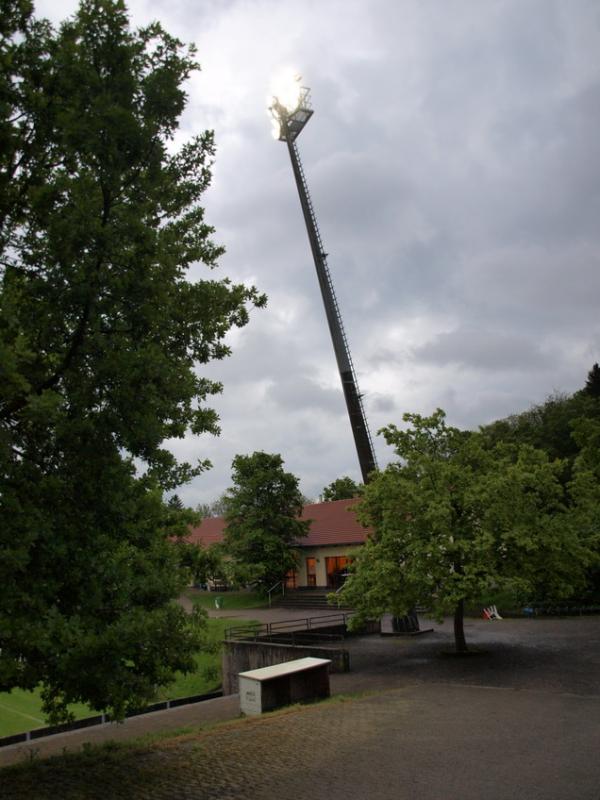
x,y
229,600
21,711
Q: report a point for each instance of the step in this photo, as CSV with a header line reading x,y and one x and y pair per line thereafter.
x,y
308,602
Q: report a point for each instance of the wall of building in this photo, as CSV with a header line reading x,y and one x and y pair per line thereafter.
x,y
320,554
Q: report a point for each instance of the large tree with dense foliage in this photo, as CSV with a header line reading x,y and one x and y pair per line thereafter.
x,y
100,335
262,513
592,384
584,492
549,425
343,488
455,520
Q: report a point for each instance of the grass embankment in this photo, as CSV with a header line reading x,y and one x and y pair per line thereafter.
x,y
132,769
22,711
135,768
229,601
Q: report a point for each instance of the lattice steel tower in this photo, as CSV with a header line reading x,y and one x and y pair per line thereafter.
x,y
291,117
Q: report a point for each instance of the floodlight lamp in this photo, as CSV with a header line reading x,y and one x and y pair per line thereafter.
x,y
285,88
290,107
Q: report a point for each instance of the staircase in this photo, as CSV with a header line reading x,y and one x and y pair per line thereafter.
x,y
306,598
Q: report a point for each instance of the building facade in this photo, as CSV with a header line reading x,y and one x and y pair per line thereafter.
x,y
323,554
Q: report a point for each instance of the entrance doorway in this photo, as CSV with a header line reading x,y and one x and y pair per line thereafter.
x,y
337,570
291,579
311,571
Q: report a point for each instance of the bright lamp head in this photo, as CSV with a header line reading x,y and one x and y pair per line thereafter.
x,y
290,107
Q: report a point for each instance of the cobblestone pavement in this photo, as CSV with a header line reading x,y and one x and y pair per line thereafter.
x,y
427,742
521,721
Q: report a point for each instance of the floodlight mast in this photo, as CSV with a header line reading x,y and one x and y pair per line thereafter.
x,y
291,124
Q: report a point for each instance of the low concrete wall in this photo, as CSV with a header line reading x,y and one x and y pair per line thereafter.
x,y
242,656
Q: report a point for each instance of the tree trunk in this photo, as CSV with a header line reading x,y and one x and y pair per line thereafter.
x,y
459,630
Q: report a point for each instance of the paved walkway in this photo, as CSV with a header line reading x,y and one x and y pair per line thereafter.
x,y
275,614
430,742
522,721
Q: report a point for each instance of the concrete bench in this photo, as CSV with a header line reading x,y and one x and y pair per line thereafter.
x,y
282,684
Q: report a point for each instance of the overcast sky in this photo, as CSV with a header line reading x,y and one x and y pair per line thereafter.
x,y
454,164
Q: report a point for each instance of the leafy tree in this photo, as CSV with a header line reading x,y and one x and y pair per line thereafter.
x,y
454,520
592,384
204,563
200,563
175,503
263,525
341,489
100,333
215,509
549,425
585,495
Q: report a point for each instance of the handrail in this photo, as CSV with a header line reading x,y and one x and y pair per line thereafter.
x,y
279,583
286,625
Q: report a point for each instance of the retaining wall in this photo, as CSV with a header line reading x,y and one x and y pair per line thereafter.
x,y
245,655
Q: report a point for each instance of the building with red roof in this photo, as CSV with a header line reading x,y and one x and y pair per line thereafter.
x,y
324,553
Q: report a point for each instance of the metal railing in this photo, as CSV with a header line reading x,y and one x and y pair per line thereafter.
x,y
272,589
312,624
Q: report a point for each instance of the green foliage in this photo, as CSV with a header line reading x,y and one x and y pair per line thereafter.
x,y
100,332
262,511
22,711
341,489
215,509
585,493
592,384
198,563
549,426
553,427
204,563
454,520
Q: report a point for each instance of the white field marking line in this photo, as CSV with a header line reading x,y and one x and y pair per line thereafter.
x,y
14,711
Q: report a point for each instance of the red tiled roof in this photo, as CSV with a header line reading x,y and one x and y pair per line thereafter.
x,y
331,523
210,531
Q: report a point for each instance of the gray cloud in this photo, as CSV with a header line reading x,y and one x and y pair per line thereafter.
x,y
483,349
454,162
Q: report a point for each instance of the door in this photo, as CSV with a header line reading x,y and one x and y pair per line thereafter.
x,y
311,571
290,581
336,567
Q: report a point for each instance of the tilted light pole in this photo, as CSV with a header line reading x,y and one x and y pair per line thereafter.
x,y
291,111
